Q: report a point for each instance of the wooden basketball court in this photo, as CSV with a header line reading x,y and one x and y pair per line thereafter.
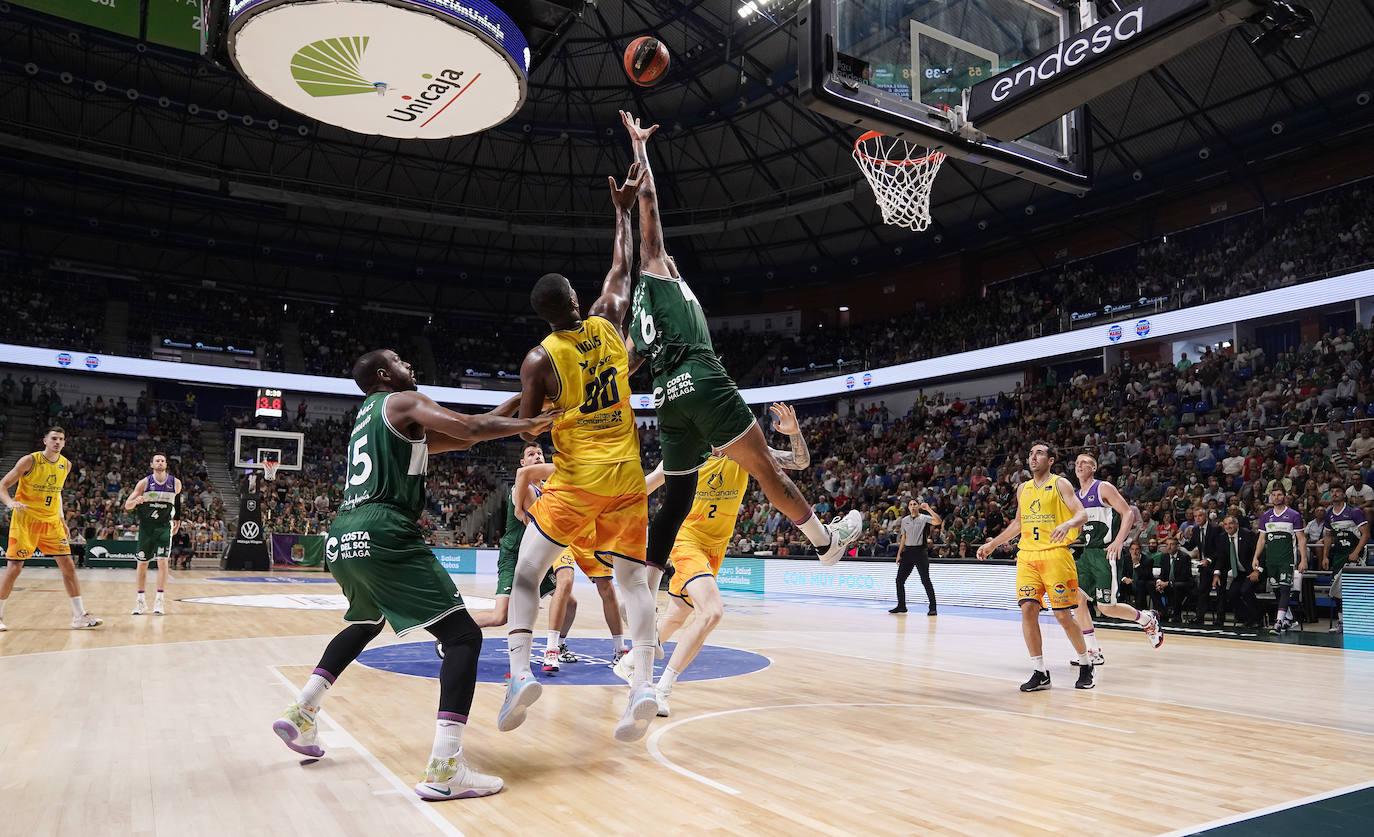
x,y
862,723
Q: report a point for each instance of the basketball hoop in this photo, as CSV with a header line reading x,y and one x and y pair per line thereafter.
x,y
269,471
901,175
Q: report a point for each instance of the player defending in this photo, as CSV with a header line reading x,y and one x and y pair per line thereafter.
x,y
156,499
377,553
1047,520
595,497
1104,535
1347,532
701,545
36,521
699,408
1283,540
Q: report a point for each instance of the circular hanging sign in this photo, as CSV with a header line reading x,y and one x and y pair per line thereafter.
x,y
411,69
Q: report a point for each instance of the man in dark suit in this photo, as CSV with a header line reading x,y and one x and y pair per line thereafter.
x,y
1246,579
1176,581
1137,582
1207,543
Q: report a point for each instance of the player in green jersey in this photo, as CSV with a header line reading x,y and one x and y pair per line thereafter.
x,y
156,499
698,405
1343,542
376,551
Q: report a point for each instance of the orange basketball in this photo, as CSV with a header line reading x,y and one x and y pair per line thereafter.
x,y
646,61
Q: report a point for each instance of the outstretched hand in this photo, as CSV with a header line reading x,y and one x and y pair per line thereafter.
x,y
637,133
624,196
544,421
784,418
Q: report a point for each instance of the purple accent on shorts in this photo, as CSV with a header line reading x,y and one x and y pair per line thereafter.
x,y
452,716
326,675
798,523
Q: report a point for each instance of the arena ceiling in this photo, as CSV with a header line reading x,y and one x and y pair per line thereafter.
x,y
144,157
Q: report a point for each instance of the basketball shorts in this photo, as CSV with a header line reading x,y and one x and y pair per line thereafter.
x,y
1047,572
28,535
699,407
505,573
692,561
598,506
1279,569
585,560
1095,576
387,572
154,544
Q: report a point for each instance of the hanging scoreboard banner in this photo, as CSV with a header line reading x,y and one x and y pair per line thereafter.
x,y
411,69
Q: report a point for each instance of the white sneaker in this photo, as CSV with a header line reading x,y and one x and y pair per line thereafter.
x,y
1337,628
139,606
453,779
624,667
1153,632
843,532
662,698
641,709
1097,659
85,620
2,627
158,607
297,730
551,661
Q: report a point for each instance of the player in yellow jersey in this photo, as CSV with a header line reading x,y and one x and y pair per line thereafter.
x,y
1048,514
700,547
596,496
36,521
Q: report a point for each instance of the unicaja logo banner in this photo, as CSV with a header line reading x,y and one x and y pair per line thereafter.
x,y
422,69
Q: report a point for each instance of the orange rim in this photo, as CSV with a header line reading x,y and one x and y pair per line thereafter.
x,y
883,161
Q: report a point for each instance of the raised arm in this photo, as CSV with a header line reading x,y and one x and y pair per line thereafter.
x,y
465,430
615,290
441,443
652,250
785,421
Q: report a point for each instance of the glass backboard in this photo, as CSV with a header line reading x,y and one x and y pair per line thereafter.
x,y
901,67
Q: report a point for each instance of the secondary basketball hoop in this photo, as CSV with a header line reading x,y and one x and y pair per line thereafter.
x,y
901,174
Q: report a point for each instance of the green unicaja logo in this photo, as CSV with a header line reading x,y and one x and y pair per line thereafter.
x,y
330,67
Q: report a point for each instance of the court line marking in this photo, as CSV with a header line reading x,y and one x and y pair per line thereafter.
x,y
1272,809
1258,717
657,753
338,733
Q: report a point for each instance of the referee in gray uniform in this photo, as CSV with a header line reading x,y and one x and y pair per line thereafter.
x,y
912,553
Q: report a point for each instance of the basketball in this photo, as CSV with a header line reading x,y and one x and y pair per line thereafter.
x,y
646,61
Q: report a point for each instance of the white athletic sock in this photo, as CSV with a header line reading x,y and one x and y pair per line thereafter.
x,y
551,641
2,609
77,607
1038,663
654,577
643,656
1090,637
619,641
1085,659
1142,618
667,679
313,693
814,530
518,646
448,738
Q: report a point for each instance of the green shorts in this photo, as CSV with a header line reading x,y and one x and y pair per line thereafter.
x,y
155,544
1279,571
699,407
1095,576
380,559
505,574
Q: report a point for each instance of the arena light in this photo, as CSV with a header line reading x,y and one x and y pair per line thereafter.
x,y
748,9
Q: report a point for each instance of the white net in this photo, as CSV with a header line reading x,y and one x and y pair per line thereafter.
x,y
269,471
901,175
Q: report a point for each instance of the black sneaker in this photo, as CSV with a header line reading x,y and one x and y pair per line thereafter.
x,y
1039,681
897,609
932,612
1085,677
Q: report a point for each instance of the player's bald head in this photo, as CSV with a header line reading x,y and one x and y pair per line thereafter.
x,y
365,368
551,297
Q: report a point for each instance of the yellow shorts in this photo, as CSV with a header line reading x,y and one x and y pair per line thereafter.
x,y
584,559
1049,571
27,535
598,506
692,561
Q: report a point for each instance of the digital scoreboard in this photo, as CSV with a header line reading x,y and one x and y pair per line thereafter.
x,y
269,403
